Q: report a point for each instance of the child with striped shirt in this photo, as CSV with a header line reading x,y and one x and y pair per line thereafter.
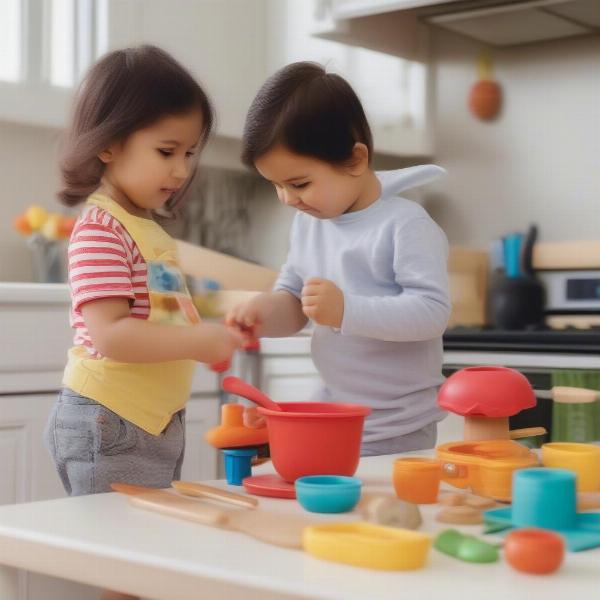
x,y
139,124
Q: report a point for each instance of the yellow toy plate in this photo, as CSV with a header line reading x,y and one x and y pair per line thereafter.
x,y
366,545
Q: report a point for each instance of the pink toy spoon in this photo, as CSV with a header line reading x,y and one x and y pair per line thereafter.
x,y
237,386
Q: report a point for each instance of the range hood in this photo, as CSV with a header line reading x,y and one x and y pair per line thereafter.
x,y
399,26
515,22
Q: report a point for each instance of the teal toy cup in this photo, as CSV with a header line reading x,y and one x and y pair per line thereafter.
x,y
544,498
328,493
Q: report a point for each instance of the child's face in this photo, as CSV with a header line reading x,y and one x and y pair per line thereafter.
x,y
309,184
151,164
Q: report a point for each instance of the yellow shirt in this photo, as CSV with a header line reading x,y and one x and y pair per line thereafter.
x,y
147,394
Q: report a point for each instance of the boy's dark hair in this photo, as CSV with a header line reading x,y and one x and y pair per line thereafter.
x,y
308,111
123,92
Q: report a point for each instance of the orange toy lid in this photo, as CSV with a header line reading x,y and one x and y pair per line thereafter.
x,y
232,433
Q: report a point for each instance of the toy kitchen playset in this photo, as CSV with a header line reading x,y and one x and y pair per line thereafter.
x,y
544,501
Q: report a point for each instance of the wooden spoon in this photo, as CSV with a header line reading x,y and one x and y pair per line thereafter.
x,y
272,528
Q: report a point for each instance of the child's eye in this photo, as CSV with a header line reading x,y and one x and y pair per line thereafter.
x,y
299,186
189,154
165,151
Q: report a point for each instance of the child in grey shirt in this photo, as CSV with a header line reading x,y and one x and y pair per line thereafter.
x,y
368,267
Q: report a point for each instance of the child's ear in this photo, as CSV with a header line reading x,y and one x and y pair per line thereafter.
x,y
107,155
359,162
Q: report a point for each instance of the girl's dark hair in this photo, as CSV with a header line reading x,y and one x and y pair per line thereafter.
x,y
123,92
308,111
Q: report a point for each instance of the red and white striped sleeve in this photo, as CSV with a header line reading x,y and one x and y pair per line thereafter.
x,y
100,263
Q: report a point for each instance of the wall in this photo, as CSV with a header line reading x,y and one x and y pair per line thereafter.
x,y
539,161
28,175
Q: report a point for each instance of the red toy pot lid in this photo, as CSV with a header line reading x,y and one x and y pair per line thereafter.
x,y
486,391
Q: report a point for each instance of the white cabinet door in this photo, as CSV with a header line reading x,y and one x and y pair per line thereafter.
x,y
26,469
289,378
201,460
27,474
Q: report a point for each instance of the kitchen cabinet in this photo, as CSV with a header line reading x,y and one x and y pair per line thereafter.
x,y
400,27
287,372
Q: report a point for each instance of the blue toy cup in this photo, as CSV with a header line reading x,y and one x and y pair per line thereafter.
x,y
544,498
328,493
238,464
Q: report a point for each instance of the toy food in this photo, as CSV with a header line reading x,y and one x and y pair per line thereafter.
x,y
460,515
465,547
534,550
386,509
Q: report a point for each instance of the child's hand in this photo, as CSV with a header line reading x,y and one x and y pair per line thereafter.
x,y
252,419
247,317
218,342
323,302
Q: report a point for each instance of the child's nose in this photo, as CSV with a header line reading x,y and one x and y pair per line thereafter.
x,y
181,169
289,198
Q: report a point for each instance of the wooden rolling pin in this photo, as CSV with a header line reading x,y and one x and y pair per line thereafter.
x,y
272,528
201,490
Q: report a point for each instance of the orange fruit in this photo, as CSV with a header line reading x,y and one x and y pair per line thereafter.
x,y
21,224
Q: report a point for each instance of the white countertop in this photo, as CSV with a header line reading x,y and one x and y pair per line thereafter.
x,y
102,540
300,345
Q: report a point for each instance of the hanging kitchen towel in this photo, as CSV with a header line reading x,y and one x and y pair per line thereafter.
x,y
574,421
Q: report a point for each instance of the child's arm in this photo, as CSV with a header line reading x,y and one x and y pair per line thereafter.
x,y
420,312
118,335
270,314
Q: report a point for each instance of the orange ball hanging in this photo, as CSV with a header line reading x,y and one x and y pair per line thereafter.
x,y
485,97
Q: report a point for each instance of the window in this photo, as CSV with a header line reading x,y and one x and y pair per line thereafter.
x,y
10,40
391,89
50,41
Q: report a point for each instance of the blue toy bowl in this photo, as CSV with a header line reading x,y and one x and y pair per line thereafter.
x,y
328,493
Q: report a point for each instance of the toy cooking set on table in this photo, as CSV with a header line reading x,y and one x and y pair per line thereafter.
x,y
315,449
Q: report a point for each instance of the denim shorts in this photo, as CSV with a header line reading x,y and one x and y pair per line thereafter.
x,y
93,447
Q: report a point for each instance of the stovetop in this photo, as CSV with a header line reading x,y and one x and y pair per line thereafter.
x,y
574,341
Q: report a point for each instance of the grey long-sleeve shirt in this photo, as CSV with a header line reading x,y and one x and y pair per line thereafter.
x,y
390,261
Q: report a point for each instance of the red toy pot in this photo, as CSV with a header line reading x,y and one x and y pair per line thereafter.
x,y
315,438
